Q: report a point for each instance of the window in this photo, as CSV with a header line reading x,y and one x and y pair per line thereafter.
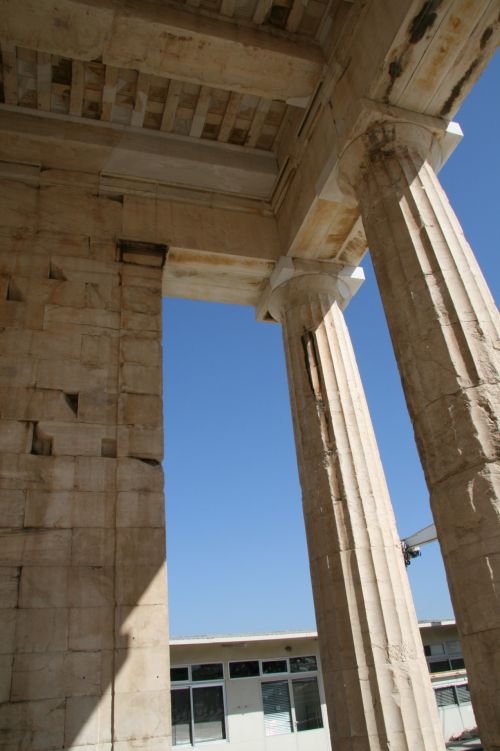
x,y
248,669
307,704
271,667
198,714
291,704
277,709
444,656
448,696
303,664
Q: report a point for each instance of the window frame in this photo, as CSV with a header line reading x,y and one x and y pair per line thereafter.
x,y
444,656
191,685
290,678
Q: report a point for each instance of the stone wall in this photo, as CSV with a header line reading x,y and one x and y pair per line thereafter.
x,y
83,631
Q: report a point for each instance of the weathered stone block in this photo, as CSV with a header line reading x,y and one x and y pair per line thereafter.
x,y
88,722
141,300
76,439
90,586
41,630
141,379
142,670
145,585
102,319
5,677
140,410
93,547
141,321
133,474
65,209
91,628
12,504
38,676
146,443
95,474
44,587
144,349
15,436
43,472
146,547
142,715
99,350
70,377
21,315
82,673
19,371
141,626
65,509
97,407
32,724
40,721
55,346
7,630
35,547
140,509
9,586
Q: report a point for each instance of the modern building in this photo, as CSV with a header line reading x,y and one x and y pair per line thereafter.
x,y
265,691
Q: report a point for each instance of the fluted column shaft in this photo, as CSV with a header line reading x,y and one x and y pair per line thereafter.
x,y
445,332
376,680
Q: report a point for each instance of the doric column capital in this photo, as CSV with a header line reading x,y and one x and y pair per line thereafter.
x,y
378,137
296,280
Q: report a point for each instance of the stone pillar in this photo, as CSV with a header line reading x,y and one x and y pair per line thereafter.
x,y
84,641
377,687
445,332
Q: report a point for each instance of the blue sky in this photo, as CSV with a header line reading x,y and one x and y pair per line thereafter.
x,y
235,536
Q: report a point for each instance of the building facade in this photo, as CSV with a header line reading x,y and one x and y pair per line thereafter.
x,y
265,691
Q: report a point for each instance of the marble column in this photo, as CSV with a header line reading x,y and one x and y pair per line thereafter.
x,y
445,332
376,680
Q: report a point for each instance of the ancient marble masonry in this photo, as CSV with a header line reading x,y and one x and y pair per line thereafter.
x,y
240,151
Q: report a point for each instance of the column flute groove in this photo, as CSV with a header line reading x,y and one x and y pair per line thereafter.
x,y
445,331
376,679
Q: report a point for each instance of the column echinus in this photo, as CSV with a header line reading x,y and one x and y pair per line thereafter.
x,y
377,687
445,331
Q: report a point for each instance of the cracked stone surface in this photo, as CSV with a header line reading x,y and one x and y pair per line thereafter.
x,y
377,687
445,331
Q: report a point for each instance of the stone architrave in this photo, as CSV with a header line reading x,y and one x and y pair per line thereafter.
x,y
445,332
378,692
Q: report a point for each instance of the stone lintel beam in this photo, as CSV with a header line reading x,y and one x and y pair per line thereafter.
x,y
345,280
159,39
445,330
60,142
316,193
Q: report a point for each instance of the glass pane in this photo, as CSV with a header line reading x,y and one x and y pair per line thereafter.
x,y
276,705
208,672
208,714
463,694
303,664
274,666
181,717
453,648
179,674
427,650
458,663
445,697
307,704
439,666
247,669
437,649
